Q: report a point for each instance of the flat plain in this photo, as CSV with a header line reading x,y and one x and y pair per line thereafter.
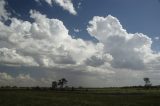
x,y
84,97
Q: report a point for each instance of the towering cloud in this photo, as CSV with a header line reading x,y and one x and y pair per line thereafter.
x,y
130,51
45,44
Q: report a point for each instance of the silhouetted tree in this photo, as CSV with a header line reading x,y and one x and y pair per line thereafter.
x,y
36,88
14,87
72,88
62,82
147,82
54,84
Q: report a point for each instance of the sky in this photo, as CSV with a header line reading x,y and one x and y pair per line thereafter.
x,y
91,43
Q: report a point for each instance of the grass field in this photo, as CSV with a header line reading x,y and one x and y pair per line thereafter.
x,y
92,97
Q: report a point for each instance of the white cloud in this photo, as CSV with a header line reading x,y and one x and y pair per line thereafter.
x,y
10,57
46,43
3,12
76,30
22,80
65,4
5,76
131,51
79,5
156,38
37,0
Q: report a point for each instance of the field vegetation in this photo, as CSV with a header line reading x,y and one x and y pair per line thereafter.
x,y
126,96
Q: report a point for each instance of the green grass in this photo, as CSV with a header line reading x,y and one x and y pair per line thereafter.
x,y
93,97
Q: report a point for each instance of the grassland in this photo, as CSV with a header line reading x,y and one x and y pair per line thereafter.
x,y
90,97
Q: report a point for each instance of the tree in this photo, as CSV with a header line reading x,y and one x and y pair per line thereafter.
x,y
147,82
54,84
62,82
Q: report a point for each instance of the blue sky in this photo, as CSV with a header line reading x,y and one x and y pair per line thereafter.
x,y
135,16
36,46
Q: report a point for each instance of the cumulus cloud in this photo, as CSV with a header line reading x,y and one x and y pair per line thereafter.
x,y
3,12
22,80
65,4
129,51
10,57
46,43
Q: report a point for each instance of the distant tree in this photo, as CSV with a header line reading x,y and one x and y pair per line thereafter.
x,y
15,87
36,88
72,88
54,84
147,82
62,82
7,86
